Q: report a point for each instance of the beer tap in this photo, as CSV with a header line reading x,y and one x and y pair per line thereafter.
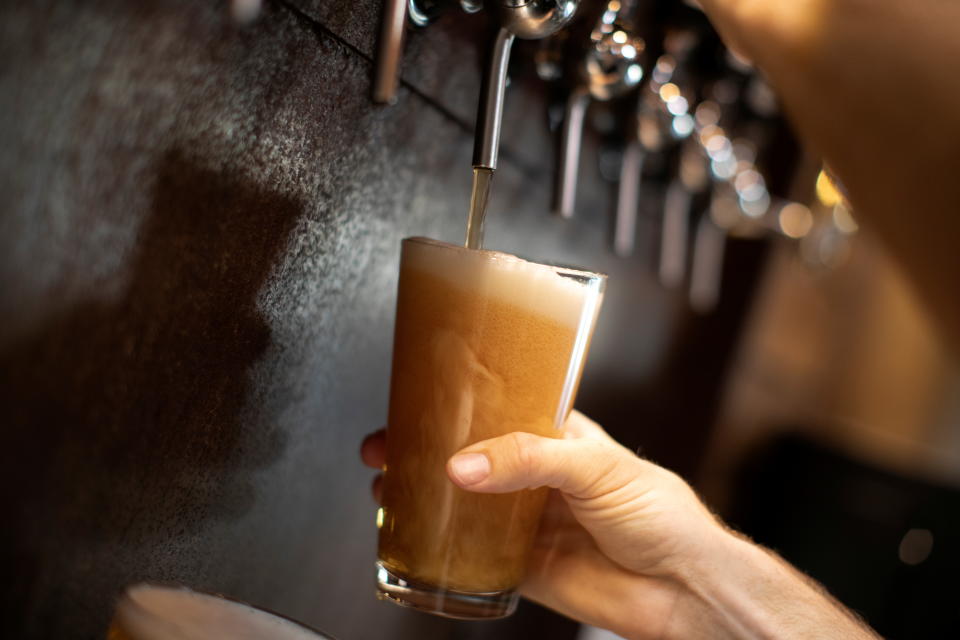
x,y
628,197
691,180
725,160
661,118
709,246
741,204
525,19
395,16
677,95
611,66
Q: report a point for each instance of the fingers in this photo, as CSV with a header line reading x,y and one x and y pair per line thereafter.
x,y
376,488
582,467
373,451
591,588
580,426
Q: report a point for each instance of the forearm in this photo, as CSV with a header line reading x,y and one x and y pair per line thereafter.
x,y
874,87
740,590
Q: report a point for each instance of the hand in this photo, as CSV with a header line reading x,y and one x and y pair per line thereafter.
x,y
626,545
614,538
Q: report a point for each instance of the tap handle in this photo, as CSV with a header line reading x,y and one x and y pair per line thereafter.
x,y
706,272
673,235
628,198
388,57
610,66
571,138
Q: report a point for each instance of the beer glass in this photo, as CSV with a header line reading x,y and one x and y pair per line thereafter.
x,y
154,612
485,344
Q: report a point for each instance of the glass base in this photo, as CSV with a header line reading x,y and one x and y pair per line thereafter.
x,y
448,603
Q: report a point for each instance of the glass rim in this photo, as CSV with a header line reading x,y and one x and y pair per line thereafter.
x,y
125,596
562,269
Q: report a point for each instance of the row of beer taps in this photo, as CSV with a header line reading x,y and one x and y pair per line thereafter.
x,y
708,121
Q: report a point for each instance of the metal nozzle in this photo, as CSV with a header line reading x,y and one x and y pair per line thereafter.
x,y
526,19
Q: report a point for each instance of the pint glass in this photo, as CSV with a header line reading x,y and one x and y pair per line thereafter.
x,y
485,344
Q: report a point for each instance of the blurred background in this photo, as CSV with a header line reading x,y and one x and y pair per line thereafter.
x,y
202,209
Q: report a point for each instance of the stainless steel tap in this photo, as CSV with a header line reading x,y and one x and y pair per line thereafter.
x,y
612,65
661,118
387,72
390,48
740,200
525,19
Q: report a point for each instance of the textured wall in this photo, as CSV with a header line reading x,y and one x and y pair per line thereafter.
x,y
200,230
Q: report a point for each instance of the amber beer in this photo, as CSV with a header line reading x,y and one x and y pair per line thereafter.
x,y
152,612
485,344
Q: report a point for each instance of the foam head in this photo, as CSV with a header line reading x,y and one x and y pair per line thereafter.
x,y
559,293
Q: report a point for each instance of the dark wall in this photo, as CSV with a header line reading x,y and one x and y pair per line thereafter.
x,y
200,232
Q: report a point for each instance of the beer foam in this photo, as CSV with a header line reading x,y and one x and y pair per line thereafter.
x,y
148,612
506,277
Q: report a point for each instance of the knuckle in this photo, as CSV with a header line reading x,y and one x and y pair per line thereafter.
x,y
587,465
526,451
598,468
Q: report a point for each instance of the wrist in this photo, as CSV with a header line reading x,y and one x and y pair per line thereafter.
x,y
712,599
731,583
737,589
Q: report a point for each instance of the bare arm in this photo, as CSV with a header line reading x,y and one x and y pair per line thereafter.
x,y
640,554
874,86
749,592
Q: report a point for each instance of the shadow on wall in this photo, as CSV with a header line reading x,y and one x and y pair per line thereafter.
x,y
126,422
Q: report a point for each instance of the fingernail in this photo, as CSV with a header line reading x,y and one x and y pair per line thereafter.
x,y
470,468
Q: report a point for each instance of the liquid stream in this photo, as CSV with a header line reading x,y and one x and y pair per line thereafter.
x,y
479,196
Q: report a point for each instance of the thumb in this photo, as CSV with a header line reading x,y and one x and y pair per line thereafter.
x,y
581,467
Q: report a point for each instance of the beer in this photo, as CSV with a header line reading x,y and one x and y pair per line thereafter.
x,y
479,196
150,612
485,344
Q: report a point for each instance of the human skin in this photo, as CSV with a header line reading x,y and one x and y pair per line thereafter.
x,y
874,87
627,545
